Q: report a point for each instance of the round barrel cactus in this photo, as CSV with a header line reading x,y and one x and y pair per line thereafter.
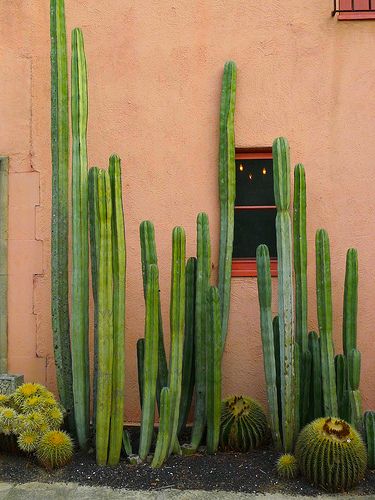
x,y
287,466
331,454
243,424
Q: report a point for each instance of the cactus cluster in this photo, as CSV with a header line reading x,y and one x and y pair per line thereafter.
x,y
28,417
243,424
323,385
331,454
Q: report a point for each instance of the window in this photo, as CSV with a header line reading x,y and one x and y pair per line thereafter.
x,y
254,211
354,9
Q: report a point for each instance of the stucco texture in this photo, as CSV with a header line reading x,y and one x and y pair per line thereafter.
x,y
154,87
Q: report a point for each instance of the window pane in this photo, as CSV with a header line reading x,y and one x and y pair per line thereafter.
x,y
252,228
254,182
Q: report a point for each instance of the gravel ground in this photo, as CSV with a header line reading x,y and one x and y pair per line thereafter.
x,y
252,472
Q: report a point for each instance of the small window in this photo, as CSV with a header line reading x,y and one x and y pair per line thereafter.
x,y
354,9
255,210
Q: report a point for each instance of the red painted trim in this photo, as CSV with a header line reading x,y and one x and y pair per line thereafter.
x,y
248,267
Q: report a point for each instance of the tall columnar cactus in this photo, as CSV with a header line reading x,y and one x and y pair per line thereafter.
x,y
227,189
80,244
162,442
349,327
341,370
281,177
105,319
369,432
214,354
149,256
150,368
4,263
119,271
60,210
188,356
177,325
202,286
316,393
324,305
269,349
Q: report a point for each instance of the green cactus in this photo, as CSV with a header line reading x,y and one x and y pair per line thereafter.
x,y
305,385
331,454
119,271
55,449
149,256
150,360
214,354
349,327
177,324
341,369
140,367
243,424
324,305
28,441
287,467
162,443
188,356
280,151
316,393
270,350
369,432
105,319
202,286
80,244
227,189
60,208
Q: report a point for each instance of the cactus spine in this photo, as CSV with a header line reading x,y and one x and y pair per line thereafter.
x,y
214,352
285,289
105,319
177,319
369,431
149,256
227,190
119,270
188,356
60,217
150,366
324,305
202,286
268,345
80,244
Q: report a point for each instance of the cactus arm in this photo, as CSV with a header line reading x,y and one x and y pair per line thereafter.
x,y
140,367
369,431
80,244
119,272
105,319
324,304
202,284
162,442
177,324
4,201
350,302
316,404
285,289
188,355
227,189
341,370
355,415
149,256
150,361
214,355
267,332
60,210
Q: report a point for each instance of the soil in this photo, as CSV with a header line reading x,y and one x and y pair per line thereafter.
x,y
252,472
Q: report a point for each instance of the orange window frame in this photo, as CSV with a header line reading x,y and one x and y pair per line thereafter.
x,y
355,10
248,267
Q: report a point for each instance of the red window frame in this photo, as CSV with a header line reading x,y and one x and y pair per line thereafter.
x,y
352,10
248,267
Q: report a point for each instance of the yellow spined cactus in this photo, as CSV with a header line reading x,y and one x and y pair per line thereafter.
x,y
54,417
28,441
287,466
55,449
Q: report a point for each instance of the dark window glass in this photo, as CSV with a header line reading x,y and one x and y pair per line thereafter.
x,y
254,226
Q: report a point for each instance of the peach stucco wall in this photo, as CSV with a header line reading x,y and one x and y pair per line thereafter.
x,y
154,82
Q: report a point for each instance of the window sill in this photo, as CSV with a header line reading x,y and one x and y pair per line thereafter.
x,y
356,16
248,268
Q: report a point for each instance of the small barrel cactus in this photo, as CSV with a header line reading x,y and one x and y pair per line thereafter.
x,y
28,441
331,454
55,449
243,424
287,466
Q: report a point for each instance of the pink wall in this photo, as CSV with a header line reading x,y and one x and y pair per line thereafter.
x,y
154,81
